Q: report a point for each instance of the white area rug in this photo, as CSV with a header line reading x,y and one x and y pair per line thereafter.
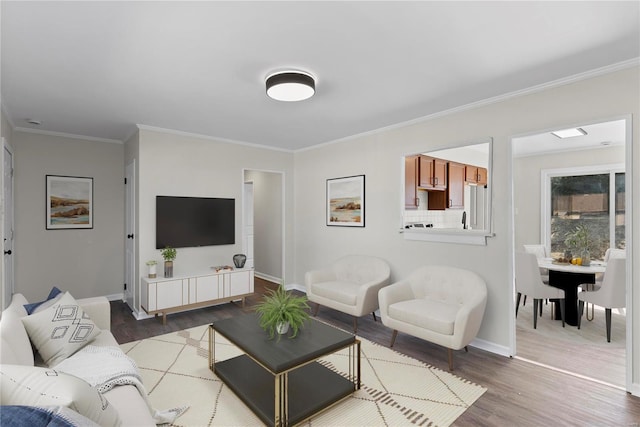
x,y
396,390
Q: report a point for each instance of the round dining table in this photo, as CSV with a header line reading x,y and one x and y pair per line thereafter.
x,y
569,277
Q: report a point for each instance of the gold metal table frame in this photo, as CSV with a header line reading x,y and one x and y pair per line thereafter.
x,y
281,382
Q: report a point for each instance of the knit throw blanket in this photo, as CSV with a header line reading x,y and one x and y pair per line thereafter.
x,y
107,367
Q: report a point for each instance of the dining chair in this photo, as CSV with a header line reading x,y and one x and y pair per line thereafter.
x,y
612,293
529,282
610,253
540,252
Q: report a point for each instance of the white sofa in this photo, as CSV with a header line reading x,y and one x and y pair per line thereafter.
x,y
17,355
440,304
350,285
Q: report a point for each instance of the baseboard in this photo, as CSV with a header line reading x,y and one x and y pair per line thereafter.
x,y
267,277
115,297
491,347
296,287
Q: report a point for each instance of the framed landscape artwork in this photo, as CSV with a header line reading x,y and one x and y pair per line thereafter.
x,y
69,202
345,201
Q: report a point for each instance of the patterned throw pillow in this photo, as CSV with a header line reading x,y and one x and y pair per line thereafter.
x,y
60,330
35,386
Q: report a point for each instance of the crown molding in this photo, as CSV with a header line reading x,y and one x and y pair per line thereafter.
x,y
488,101
67,135
210,138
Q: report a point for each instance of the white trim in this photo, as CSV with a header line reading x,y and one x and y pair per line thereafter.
x,y
468,237
631,327
491,347
627,168
283,219
488,101
267,277
209,138
67,135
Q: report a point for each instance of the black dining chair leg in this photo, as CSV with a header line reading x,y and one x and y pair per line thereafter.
x,y
607,315
562,307
580,312
540,305
518,302
535,313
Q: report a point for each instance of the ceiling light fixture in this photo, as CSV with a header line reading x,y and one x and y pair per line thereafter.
x,y
35,122
569,133
290,85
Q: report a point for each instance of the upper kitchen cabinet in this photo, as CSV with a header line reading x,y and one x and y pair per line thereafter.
x,y
433,173
476,175
455,185
411,169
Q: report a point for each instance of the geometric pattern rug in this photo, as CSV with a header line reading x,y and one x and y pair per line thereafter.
x,y
397,390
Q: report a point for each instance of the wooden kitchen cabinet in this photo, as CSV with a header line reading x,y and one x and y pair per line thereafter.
x,y
433,173
455,185
411,168
475,175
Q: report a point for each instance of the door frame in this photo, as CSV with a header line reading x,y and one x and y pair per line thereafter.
x,y
282,219
629,352
7,288
130,266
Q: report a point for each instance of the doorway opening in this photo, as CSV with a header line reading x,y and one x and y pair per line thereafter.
x,y
558,185
263,230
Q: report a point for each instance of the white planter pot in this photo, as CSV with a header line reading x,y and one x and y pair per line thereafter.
x,y
282,328
152,271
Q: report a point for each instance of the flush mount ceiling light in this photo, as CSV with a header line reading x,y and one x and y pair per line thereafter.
x,y
290,85
569,133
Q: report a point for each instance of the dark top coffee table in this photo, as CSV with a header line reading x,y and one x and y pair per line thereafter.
x,y
272,371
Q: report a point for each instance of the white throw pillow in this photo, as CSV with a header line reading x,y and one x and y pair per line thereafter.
x,y
35,386
60,330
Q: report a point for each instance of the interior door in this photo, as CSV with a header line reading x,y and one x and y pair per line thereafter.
x,y
130,228
7,259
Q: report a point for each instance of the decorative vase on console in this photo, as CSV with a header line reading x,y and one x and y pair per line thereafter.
x,y
239,260
586,257
152,268
169,254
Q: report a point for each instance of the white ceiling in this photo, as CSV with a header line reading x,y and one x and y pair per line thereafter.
x,y
99,68
597,135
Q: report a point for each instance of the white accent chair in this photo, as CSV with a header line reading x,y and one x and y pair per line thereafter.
x,y
440,304
612,293
349,285
529,283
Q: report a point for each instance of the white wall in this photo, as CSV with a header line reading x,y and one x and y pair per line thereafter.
x,y
267,220
85,262
527,192
379,156
178,164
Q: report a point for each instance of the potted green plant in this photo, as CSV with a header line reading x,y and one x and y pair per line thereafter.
x,y
579,239
280,310
169,254
151,264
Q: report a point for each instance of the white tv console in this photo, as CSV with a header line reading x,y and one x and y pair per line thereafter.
x,y
179,293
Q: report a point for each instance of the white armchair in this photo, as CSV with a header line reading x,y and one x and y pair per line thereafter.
x,y
349,285
440,304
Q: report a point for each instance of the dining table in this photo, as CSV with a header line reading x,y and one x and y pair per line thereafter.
x,y
569,277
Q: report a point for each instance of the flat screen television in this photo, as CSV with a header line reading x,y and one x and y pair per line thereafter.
x,y
183,222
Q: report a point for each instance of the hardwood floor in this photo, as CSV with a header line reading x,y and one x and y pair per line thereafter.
x,y
519,393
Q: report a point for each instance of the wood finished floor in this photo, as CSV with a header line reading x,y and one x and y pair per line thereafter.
x,y
519,393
